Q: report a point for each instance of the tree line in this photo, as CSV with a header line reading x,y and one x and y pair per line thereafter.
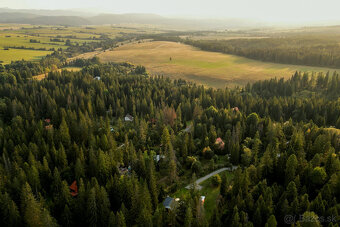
x,y
286,50
298,50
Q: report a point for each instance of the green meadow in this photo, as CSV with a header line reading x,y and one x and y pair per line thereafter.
x,y
218,70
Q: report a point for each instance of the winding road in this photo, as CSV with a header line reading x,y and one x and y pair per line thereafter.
x,y
200,180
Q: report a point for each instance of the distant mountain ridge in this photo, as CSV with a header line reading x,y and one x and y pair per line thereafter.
x,y
76,18
46,12
28,18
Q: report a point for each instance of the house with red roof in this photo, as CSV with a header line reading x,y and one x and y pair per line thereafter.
x,y
74,189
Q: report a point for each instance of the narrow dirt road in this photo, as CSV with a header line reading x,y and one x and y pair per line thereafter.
x,y
200,180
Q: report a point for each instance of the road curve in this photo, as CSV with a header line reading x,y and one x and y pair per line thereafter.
x,y
200,180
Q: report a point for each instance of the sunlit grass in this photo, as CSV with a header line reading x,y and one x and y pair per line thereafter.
x,y
6,56
203,67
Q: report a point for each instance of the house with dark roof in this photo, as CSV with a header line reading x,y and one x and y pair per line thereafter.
x,y
188,129
170,203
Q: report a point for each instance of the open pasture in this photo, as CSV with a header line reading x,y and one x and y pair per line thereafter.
x,y
38,41
71,69
6,56
203,67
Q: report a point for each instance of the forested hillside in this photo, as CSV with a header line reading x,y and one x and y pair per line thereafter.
x,y
80,148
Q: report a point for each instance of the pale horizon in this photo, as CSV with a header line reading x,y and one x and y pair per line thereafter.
x,y
289,11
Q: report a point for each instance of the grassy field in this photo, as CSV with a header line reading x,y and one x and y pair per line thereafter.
x,y
207,68
6,56
209,191
42,76
17,35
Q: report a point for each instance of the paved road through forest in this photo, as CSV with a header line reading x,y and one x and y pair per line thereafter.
x,y
200,180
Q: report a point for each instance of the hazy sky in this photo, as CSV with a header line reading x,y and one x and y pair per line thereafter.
x,y
268,10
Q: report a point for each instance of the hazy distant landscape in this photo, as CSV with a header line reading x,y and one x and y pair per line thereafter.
x,y
182,113
73,18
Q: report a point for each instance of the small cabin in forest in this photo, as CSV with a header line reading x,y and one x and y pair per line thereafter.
x,y
170,203
202,199
153,121
124,171
48,125
158,157
74,189
235,109
188,129
128,117
220,144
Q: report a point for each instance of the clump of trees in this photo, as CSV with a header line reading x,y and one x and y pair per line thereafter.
x,y
34,41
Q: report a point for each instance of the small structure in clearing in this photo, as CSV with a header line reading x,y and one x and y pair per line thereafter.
x,y
153,121
123,171
158,157
74,189
128,117
220,144
48,125
170,203
202,199
235,109
188,129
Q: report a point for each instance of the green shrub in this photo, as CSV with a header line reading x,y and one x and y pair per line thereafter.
x,y
216,180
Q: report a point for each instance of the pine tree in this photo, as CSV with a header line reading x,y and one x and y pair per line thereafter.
x,y
166,141
158,218
120,219
188,217
112,220
92,210
66,217
64,134
152,184
271,222
172,171
291,166
223,188
235,218
79,171
103,206
9,212
34,214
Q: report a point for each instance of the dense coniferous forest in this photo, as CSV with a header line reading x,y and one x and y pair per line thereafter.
x,y
79,148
